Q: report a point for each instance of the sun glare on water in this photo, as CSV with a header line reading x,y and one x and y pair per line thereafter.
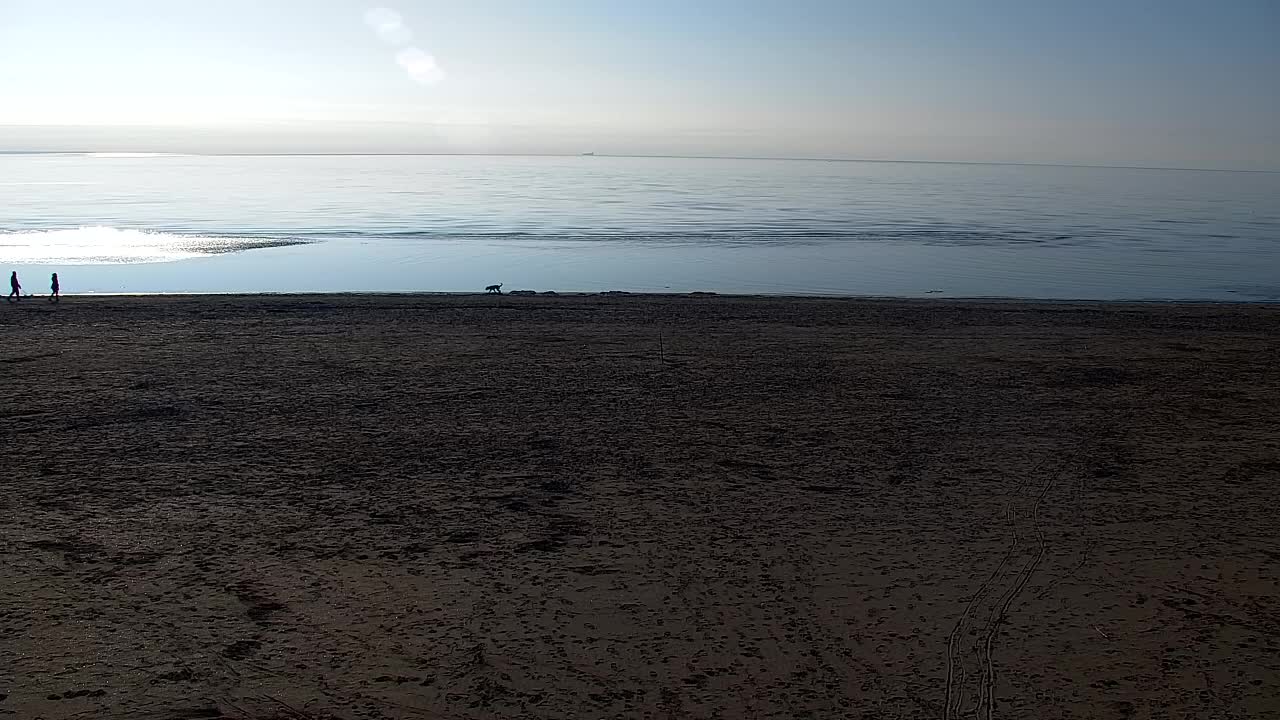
x,y
108,245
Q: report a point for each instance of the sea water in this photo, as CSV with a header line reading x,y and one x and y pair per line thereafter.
x,y
110,223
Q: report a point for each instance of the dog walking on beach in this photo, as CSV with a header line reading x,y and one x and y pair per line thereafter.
x,y
55,290
15,287
494,288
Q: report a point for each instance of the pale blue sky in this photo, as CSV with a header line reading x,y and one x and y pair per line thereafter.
x,y
1150,82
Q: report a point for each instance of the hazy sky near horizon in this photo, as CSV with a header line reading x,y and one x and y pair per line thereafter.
x,y
1133,82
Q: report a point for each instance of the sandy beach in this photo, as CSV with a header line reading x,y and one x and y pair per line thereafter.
x,y
637,507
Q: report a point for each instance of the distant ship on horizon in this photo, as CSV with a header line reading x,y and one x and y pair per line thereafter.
x,y
588,154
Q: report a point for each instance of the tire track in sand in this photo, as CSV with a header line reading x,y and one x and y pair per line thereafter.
x,y
987,687
1022,524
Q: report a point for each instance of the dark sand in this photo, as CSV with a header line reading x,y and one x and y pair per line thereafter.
x,y
403,507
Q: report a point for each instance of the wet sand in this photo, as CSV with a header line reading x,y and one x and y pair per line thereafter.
x,y
638,507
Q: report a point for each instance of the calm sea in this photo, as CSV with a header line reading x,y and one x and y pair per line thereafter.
x,y
113,223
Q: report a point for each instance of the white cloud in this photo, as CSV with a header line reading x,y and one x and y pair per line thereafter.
x,y
389,26
421,67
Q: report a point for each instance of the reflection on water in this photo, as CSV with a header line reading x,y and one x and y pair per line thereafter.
x,y
105,245
459,223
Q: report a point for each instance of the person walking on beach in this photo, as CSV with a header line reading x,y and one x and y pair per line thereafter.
x,y
15,287
54,289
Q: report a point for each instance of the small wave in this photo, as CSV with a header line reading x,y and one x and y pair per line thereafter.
x,y
762,235
134,155
109,245
80,183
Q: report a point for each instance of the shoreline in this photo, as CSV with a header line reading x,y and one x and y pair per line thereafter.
x,y
693,295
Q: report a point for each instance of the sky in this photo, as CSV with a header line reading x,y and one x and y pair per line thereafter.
x,y
1165,83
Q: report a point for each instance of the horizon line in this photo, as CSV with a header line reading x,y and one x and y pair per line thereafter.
x,y
638,156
